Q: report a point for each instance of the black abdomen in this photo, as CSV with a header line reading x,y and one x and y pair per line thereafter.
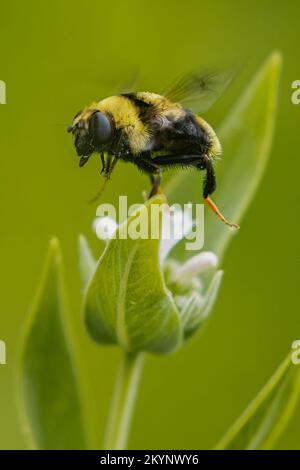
x,y
183,134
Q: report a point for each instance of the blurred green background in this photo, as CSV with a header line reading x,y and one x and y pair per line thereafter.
x,y
55,59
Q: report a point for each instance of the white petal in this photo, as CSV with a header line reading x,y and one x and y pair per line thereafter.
x,y
198,264
104,227
176,224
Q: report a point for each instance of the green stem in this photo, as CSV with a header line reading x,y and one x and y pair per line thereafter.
x,y
123,401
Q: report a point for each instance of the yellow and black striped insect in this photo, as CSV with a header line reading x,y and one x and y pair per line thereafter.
x,y
152,131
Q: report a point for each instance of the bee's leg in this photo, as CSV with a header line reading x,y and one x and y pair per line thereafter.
x,y
108,171
103,163
215,209
209,188
209,184
109,163
155,180
154,173
174,159
202,163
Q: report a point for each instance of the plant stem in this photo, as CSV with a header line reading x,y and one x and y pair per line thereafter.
x,y
123,401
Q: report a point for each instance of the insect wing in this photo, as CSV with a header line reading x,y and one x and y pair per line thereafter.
x,y
199,92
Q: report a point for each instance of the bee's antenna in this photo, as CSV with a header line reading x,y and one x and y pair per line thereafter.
x,y
107,178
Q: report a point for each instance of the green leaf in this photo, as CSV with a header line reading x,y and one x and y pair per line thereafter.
x,y
50,394
87,262
246,138
191,307
200,315
126,301
266,417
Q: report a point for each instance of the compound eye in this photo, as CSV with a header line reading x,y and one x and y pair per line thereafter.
x,y
100,128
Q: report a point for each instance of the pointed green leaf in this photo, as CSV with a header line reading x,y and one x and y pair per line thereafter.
x,y
190,307
199,315
50,393
127,301
246,138
87,262
265,419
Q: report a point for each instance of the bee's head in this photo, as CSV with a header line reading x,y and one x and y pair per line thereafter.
x,y
92,131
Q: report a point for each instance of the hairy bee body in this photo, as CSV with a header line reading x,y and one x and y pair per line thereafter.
x,y
150,122
150,131
153,132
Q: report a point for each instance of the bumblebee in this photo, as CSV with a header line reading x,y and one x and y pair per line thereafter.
x,y
152,131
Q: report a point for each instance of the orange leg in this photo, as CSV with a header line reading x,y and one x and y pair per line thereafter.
x,y
215,209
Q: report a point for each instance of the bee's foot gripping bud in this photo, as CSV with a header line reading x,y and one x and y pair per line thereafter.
x,y
215,209
156,191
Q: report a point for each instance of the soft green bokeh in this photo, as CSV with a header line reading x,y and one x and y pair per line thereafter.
x,y
56,58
